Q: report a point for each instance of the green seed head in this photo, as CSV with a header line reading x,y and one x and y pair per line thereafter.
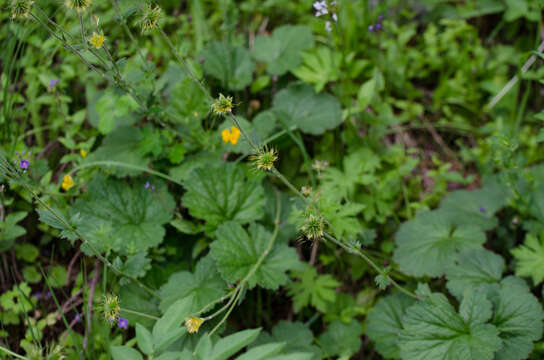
x,y
313,227
222,105
110,307
150,17
78,5
264,160
20,8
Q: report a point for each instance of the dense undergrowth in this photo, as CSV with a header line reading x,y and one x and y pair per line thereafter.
x,y
275,180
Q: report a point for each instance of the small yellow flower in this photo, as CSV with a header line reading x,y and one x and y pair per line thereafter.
x,y
83,153
97,40
193,324
233,136
67,182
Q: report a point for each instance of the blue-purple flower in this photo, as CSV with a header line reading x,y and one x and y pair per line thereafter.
x,y
52,83
24,163
482,209
123,323
377,26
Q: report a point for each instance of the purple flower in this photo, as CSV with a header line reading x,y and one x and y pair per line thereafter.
x,y
24,164
123,323
328,26
48,294
77,318
378,27
371,28
146,186
38,295
52,83
482,209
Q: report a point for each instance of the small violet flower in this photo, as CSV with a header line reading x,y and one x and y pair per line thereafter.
x,y
377,26
482,209
77,318
52,83
23,163
123,323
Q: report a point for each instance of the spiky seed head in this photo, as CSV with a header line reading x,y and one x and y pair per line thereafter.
x,y
20,8
150,17
110,308
313,227
78,5
222,105
264,159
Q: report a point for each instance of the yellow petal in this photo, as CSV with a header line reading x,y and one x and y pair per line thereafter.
x,y
235,135
225,134
83,153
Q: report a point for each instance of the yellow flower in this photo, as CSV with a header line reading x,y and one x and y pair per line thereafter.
x,y
67,182
83,153
193,324
97,40
233,136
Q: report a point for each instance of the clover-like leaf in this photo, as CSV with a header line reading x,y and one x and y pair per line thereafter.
x,y
282,50
433,236
204,285
434,330
518,316
237,252
232,65
312,113
132,215
221,193
385,323
530,258
474,268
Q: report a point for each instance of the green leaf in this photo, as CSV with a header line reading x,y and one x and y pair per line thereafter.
x,y
203,286
262,352
295,337
122,145
136,265
144,338
187,102
384,322
231,344
232,65
341,339
169,327
311,113
319,290
27,252
320,67
518,316
237,252
125,353
474,268
111,109
434,330
221,193
475,207
58,276
9,231
530,258
281,51
136,299
433,236
133,215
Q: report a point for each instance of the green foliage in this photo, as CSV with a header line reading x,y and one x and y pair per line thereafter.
x,y
312,113
341,339
238,252
125,219
314,289
232,65
281,51
435,237
530,258
9,230
221,193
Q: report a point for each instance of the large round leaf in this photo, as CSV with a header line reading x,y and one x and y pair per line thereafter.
x,y
312,113
232,65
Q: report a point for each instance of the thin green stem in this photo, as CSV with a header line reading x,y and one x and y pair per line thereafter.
x,y
126,166
369,261
138,314
9,352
